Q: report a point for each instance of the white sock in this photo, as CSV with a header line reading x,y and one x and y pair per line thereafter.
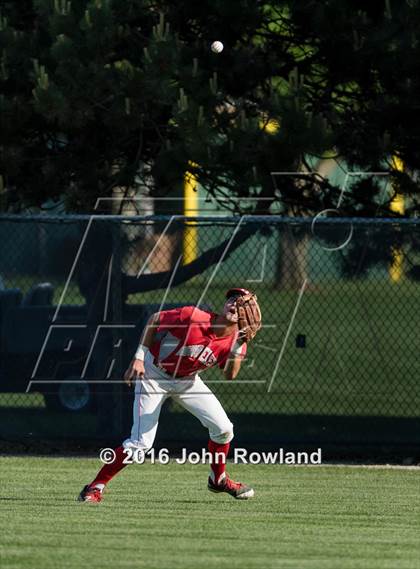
x,y
100,486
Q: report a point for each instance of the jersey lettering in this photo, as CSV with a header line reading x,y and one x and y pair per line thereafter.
x,y
203,353
207,357
190,351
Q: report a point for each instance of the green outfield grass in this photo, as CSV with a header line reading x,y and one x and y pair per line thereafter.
x,y
162,517
27,400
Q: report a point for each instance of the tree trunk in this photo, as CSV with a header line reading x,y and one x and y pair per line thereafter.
x,y
293,248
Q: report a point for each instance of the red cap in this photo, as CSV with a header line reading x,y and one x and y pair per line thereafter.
x,y
237,291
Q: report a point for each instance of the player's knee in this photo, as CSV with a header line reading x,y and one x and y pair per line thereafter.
x,y
224,435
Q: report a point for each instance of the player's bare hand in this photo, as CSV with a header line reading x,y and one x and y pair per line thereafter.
x,y
134,371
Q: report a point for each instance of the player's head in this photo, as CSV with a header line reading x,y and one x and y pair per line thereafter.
x,y
229,310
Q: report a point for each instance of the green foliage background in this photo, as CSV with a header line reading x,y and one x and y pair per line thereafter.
x,y
112,93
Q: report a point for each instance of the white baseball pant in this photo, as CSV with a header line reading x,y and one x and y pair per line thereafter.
x,y
152,391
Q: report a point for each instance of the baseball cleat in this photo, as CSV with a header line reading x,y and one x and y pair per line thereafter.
x,y
89,494
236,489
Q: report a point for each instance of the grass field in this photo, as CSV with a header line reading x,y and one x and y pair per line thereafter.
x,y
162,517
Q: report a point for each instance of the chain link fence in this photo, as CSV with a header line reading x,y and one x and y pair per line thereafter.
x,y
336,361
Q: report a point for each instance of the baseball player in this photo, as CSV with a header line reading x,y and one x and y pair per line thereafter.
x,y
175,346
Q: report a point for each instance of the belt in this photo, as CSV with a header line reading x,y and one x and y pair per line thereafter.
x,y
160,366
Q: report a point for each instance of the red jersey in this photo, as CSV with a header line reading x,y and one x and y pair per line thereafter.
x,y
186,344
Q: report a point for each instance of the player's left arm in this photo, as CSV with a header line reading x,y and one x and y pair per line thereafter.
x,y
234,361
232,367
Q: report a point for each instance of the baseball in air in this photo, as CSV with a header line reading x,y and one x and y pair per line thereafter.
x,y
217,47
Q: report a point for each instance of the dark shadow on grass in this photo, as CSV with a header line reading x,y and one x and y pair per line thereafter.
x,y
10,499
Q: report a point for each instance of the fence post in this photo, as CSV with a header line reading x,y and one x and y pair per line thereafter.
x,y
190,238
397,205
117,318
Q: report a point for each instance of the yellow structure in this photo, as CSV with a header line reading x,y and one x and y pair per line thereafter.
x,y
271,126
190,238
397,205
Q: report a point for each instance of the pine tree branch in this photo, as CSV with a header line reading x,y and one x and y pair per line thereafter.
x,y
156,281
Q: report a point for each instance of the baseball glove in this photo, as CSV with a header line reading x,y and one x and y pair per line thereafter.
x,y
249,316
